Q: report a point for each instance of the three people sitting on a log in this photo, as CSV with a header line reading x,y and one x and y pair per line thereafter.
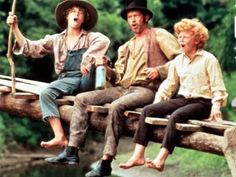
x,y
194,76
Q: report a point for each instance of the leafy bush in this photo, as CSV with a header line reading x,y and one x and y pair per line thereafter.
x,y
15,131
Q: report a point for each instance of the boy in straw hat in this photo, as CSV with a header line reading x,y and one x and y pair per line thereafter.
x,y
197,78
75,51
135,79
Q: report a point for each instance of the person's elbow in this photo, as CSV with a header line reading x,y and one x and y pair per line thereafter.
x,y
106,42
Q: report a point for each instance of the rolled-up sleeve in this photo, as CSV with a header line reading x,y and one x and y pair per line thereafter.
x,y
97,47
35,49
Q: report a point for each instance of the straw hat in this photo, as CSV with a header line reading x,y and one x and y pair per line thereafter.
x,y
91,20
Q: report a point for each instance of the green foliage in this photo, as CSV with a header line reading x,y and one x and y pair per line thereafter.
x,y
199,164
158,17
217,15
185,162
106,26
222,40
2,135
111,24
33,16
20,131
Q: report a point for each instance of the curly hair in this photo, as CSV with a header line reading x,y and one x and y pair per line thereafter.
x,y
195,26
66,12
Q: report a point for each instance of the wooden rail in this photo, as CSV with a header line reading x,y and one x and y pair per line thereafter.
x,y
206,136
233,104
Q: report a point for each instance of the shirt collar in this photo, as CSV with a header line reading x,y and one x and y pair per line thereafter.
x,y
198,53
83,32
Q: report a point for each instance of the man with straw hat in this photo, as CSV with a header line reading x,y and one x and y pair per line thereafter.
x,y
75,50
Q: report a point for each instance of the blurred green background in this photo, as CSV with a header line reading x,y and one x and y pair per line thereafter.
x,y
36,19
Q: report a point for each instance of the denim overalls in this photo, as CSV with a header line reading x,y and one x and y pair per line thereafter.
x,y
70,82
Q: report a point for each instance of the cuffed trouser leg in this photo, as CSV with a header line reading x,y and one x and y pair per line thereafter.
x,y
56,89
134,97
80,118
48,103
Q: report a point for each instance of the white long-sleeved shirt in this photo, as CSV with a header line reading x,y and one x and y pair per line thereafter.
x,y
200,77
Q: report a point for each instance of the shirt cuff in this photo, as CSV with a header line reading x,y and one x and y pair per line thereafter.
x,y
216,105
163,70
18,50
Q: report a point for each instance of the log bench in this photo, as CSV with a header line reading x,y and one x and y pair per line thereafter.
x,y
206,136
217,137
65,100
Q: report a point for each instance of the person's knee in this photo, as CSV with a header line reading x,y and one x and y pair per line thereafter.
x,y
117,111
46,93
117,107
150,110
146,109
81,99
176,117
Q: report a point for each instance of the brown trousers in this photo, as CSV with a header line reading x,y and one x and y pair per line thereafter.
x,y
121,99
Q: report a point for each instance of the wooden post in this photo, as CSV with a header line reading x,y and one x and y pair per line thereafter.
x,y
233,103
9,51
229,149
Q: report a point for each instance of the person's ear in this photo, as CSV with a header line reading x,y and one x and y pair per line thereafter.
x,y
197,41
147,18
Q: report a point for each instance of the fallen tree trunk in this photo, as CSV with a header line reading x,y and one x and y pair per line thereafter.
x,y
27,108
202,141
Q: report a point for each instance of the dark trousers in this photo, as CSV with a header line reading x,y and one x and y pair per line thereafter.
x,y
180,110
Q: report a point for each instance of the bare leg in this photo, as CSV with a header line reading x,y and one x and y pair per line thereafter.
x,y
159,162
107,157
137,158
60,139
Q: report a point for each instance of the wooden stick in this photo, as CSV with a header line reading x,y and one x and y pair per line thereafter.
x,y
9,51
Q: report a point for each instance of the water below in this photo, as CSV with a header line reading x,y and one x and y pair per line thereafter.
x,y
48,170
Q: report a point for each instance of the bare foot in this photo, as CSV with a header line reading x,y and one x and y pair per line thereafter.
x,y
132,163
155,164
55,142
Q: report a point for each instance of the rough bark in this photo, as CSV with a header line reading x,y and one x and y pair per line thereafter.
x,y
30,108
229,149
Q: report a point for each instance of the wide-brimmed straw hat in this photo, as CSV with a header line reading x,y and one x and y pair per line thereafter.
x,y
91,18
136,5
